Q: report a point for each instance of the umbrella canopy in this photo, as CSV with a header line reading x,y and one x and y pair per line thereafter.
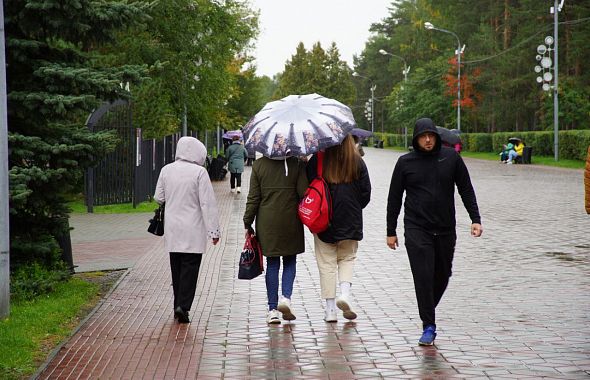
x,y
362,133
298,125
448,136
514,140
229,135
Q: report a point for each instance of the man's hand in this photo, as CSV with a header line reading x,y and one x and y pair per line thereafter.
x,y
476,229
214,241
392,242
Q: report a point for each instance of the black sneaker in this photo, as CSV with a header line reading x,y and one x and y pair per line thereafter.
x,y
427,338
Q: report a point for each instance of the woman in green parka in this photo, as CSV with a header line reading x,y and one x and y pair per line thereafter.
x,y
236,155
276,186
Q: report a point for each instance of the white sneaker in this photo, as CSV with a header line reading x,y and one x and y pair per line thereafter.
x,y
510,162
273,317
331,316
233,190
344,304
239,189
285,308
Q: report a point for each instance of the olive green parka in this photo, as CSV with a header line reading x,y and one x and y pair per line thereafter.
x,y
273,201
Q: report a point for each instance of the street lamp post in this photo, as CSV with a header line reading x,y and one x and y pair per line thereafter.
x,y
373,87
429,26
405,72
4,204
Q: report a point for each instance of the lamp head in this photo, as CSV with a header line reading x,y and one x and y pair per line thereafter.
x,y
381,51
355,74
428,25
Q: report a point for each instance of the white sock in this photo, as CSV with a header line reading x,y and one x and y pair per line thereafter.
x,y
330,304
345,289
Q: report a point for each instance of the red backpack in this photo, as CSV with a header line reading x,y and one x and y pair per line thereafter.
x,y
315,209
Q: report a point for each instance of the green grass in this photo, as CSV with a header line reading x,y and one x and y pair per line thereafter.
x,y
78,206
536,160
34,328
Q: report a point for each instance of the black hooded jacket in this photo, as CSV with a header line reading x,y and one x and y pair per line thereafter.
x,y
429,180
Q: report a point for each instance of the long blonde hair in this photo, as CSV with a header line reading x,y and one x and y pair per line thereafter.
x,y
341,162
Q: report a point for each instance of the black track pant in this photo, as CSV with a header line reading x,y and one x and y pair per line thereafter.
x,y
431,260
185,273
233,178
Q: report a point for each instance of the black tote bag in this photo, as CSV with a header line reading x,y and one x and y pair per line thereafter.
x,y
156,225
251,264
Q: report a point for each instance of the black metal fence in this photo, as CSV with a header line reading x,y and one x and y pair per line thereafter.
x,y
129,173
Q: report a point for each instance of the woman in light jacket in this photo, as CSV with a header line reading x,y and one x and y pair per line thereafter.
x,y
276,186
191,218
335,249
236,155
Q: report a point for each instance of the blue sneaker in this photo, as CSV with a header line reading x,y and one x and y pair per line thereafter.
x,y
427,338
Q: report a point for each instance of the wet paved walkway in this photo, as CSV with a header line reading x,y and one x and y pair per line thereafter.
x,y
518,305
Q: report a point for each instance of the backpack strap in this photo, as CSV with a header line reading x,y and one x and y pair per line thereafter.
x,y
320,163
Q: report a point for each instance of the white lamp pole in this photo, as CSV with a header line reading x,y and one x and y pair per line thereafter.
x,y
555,9
429,26
373,87
405,72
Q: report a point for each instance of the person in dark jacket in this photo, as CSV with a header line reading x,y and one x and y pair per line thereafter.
x,y
276,187
335,249
428,175
236,155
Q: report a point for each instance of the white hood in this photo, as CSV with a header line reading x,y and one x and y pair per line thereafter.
x,y
190,149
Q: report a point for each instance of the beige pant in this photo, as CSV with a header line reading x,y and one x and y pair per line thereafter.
x,y
331,258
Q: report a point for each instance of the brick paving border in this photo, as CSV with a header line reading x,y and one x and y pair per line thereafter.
x,y
517,305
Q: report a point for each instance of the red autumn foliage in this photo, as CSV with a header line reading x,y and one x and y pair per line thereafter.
x,y
469,97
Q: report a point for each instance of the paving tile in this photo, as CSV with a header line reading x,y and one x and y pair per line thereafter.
x,y
510,312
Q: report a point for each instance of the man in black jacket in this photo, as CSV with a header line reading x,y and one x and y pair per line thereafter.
x,y
428,175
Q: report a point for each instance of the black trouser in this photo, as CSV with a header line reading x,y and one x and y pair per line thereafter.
x,y
235,177
431,260
185,273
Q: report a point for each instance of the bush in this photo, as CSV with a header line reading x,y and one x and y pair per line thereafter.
x,y
32,280
573,145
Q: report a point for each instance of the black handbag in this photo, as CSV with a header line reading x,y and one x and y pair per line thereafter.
x,y
156,226
251,264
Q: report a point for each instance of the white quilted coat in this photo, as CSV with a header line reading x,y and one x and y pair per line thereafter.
x,y
191,216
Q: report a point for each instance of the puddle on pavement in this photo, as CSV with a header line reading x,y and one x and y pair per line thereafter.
x,y
563,256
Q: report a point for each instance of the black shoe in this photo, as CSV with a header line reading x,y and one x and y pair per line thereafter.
x,y
181,315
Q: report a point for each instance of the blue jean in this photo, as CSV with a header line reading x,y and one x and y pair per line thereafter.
x,y
512,155
273,265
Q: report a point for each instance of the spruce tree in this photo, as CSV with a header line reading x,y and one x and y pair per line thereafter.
x,y
56,76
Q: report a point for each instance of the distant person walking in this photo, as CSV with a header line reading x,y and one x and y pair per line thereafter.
x,y
236,155
276,186
428,175
191,218
335,249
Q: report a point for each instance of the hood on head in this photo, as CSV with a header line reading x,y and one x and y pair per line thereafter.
x,y
422,126
190,149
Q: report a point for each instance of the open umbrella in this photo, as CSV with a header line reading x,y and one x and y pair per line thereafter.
x,y
449,137
514,140
362,133
230,134
298,125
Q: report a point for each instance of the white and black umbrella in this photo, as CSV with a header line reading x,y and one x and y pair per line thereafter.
x,y
298,125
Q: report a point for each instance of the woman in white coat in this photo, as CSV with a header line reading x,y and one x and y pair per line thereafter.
x,y
191,218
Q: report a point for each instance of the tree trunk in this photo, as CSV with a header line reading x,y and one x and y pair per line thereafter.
x,y
506,24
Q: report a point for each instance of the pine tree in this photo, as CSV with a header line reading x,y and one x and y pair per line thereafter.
x,y
56,76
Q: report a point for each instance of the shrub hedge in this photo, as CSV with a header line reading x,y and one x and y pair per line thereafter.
x,y
573,145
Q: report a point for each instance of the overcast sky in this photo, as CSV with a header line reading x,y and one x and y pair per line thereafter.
x,y
284,23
